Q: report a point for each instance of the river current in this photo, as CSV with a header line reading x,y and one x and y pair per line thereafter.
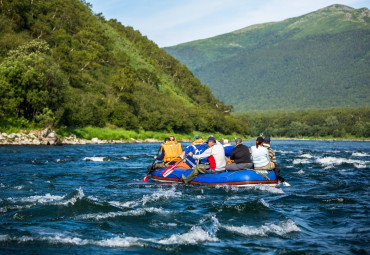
x,y
89,199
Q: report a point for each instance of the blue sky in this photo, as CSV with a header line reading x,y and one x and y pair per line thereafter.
x,y
170,22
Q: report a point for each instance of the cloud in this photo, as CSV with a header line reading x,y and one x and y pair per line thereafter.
x,y
169,22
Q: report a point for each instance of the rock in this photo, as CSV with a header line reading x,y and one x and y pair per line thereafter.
x,y
95,140
49,137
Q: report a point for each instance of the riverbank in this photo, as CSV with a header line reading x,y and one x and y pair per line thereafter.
x,y
89,135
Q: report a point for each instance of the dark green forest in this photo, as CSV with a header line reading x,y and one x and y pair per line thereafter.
x,y
316,61
62,65
335,123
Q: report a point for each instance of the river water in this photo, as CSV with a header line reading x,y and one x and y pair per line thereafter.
x,y
89,199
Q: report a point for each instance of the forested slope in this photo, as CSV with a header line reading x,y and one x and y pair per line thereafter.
x,y
60,64
319,60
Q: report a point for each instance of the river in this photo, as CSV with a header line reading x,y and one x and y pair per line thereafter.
x,y
89,199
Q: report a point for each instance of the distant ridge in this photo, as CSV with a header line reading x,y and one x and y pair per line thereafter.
x,y
315,61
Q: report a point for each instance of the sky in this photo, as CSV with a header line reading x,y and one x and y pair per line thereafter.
x,y
171,22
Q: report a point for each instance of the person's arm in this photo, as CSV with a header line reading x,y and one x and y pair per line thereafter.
x,y
162,155
205,154
232,155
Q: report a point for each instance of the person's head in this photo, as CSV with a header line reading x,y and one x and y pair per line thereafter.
x,y
259,141
211,141
167,139
172,138
267,140
238,141
196,137
225,141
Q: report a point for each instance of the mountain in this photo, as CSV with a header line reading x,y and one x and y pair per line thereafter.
x,y
315,61
63,65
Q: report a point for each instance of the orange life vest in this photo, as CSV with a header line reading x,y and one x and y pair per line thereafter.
x,y
172,151
198,141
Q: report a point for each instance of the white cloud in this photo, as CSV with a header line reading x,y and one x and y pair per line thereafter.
x,y
168,22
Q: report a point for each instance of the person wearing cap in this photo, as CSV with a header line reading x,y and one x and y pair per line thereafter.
x,y
260,155
216,157
267,145
240,157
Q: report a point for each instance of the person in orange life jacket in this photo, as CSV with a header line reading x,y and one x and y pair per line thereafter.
x,y
267,145
240,157
170,154
216,156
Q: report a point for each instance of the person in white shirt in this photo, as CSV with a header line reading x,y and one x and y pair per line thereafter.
x,y
216,157
260,154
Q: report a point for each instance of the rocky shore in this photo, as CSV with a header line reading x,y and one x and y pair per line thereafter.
x,y
49,137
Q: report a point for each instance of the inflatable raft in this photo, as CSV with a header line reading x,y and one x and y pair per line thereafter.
x,y
240,178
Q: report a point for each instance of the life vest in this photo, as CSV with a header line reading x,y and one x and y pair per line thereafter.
x,y
197,149
172,151
198,141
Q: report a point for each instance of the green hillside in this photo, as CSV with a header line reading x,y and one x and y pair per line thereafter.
x,y
62,65
319,60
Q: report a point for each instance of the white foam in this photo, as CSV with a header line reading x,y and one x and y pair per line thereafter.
x,y
281,229
267,188
263,202
123,204
2,185
4,238
47,198
119,242
124,157
298,161
194,236
80,194
137,212
94,158
300,172
161,194
360,154
19,187
329,162
306,156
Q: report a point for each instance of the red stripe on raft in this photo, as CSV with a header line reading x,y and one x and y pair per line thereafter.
x,y
218,183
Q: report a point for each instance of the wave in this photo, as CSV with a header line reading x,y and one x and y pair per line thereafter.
x,y
94,158
281,229
306,155
195,235
298,161
270,189
331,161
137,212
360,154
50,199
300,172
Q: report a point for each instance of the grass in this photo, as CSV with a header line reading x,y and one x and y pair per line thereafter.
x,y
119,133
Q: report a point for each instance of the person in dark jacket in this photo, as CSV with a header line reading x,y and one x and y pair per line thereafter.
x,y
240,157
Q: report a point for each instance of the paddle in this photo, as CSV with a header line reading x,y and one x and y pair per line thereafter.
x,y
166,172
145,179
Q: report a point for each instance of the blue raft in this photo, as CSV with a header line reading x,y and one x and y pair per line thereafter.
x,y
239,178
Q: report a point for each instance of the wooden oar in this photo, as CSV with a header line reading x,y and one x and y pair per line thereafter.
x,y
145,179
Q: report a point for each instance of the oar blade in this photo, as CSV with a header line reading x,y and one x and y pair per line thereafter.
x,y
166,172
145,179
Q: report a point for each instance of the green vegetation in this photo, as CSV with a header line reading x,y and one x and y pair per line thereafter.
x,y
317,61
332,123
119,133
61,65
